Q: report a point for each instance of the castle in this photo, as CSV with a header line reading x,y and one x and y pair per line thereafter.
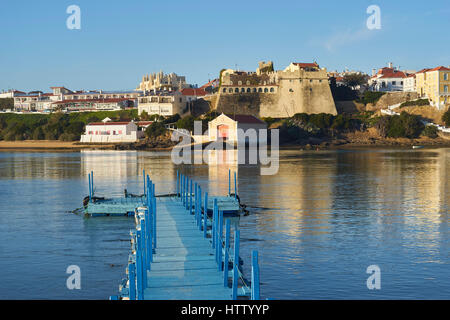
x,y
160,81
299,88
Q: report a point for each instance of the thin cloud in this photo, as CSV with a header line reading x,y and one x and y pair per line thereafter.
x,y
344,38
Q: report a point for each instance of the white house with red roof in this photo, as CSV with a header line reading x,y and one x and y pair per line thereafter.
x,y
225,127
387,79
111,132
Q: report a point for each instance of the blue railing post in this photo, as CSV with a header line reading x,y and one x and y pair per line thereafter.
x,y
90,191
154,216
132,281
235,264
149,232
92,183
195,209
229,182
235,186
139,271
205,215
145,257
145,189
213,226
219,238
226,257
178,176
199,211
255,276
182,189
190,197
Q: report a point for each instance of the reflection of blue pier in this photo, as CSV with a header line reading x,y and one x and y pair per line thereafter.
x,y
179,252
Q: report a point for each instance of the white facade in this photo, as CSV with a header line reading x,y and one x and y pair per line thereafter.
x,y
409,84
163,104
111,132
225,127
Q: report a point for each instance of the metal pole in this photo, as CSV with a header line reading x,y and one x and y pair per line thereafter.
x,y
255,276
205,215
139,272
190,198
229,182
178,177
154,216
213,226
226,257
219,238
236,264
199,213
132,281
145,189
92,182
90,196
235,186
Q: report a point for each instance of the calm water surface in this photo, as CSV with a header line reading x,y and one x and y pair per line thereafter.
x,y
318,224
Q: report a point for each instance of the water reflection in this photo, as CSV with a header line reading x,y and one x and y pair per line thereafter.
x,y
318,223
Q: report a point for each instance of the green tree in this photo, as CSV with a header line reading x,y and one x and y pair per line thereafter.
x,y
446,118
156,129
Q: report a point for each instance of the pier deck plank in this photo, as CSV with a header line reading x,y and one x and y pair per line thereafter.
x,y
184,266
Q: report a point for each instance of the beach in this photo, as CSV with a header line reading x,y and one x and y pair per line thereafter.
x,y
50,145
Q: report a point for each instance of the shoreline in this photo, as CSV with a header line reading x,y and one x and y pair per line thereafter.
x,y
56,145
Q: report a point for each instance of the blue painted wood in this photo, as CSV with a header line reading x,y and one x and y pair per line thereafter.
x,y
226,254
213,225
139,271
235,186
255,276
235,264
178,177
90,191
205,216
145,189
199,211
220,240
132,281
154,219
92,183
229,182
191,190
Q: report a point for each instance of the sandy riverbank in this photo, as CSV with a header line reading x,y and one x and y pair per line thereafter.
x,y
50,145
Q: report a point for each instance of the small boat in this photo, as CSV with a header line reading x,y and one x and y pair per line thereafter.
x,y
417,147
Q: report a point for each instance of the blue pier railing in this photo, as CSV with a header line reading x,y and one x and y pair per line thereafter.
x,y
214,227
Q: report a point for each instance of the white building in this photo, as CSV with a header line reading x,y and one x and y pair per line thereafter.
x,y
409,83
163,103
111,132
387,79
225,127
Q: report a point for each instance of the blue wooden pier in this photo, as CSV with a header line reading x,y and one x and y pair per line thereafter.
x,y
179,252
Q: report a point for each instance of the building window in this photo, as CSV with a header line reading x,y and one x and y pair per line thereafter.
x,y
248,82
236,90
445,76
310,81
394,83
445,88
239,83
248,90
224,90
230,90
266,90
260,90
291,90
272,90
242,89
254,89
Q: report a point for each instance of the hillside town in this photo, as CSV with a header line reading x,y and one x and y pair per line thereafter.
x,y
246,96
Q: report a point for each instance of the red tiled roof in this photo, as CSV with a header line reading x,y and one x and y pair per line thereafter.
x,y
390,73
244,118
92,100
306,65
193,92
441,68
424,70
144,123
108,123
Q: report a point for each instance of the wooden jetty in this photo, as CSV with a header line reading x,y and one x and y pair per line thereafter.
x,y
179,252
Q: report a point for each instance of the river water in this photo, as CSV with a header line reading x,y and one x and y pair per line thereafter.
x,y
317,224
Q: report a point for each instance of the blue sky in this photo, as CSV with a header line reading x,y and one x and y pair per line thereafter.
x,y
119,41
